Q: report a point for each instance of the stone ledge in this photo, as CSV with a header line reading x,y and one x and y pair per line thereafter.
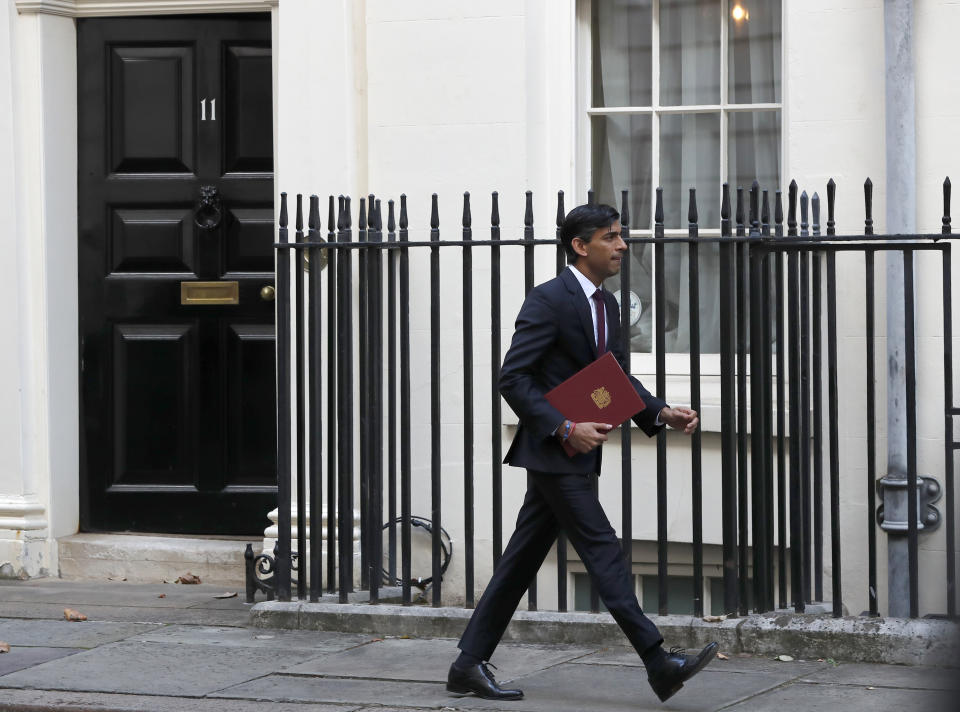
x,y
850,639
152,559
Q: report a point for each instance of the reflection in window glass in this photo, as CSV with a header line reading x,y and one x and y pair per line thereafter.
x,y
689,52
754,52
622,54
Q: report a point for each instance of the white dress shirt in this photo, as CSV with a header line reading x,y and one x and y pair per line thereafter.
x,y
589,288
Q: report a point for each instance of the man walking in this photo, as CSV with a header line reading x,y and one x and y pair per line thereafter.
x,y
563,325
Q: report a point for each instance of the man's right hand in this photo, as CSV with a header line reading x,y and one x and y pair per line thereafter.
x,y
586,436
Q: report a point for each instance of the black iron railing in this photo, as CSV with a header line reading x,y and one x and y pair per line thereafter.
x,y
777,300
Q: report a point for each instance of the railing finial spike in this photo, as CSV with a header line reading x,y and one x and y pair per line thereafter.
x,y
299,212
283,210
725,210
495,209
561,214
624,208
765,212
778,214
404,223
347,213
946,207
692,214
391,218
528,210
331,215
868,207
591,197
467,217
362,215
434,212
831,205
804,223
740,212
815,208
792,208
314,219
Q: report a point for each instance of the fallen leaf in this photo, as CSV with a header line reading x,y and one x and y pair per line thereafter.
x,y
72,615
784,658
721,656
161,595
189,578
715,619
376,640
821,660
4,647
226,595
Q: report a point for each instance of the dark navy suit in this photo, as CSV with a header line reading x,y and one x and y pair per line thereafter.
x,y
554,339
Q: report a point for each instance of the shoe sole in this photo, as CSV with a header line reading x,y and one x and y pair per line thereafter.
x,y
711,651
458,691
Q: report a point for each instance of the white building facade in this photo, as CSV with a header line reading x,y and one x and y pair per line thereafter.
x,y
424,96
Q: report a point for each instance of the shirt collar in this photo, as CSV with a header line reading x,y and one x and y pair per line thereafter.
x,y
588,287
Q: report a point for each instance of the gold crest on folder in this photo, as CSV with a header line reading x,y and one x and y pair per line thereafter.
x,y
601,397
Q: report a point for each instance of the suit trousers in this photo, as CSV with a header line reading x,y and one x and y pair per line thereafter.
x,y
556,502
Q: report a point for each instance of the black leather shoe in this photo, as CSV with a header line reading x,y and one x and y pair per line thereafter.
x,y
677,669
478,679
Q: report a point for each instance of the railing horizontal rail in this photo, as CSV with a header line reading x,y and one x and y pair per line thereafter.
x,y
892,241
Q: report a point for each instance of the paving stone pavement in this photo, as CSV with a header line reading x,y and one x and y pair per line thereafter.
x,y
187,650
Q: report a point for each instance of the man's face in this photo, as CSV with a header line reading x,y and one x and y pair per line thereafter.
x,y
602,255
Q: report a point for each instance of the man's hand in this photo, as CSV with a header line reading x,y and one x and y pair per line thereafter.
x,y
586,436
682,419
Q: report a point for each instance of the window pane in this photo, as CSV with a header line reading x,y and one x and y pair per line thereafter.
x,y
754,150
622,160
689,52
680,593
622,55
690,158
754,52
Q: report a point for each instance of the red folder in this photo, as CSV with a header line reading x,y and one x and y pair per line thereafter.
x,y
597,393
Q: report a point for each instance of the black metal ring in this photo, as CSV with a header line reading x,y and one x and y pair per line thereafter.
x,y
446,547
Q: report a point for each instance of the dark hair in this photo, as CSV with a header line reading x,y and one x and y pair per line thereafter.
x,y
582,222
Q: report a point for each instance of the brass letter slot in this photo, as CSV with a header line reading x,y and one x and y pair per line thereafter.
x,y
209,293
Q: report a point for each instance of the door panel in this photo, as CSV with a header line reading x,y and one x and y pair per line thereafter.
x,y
152,240
153,403
151,97
247,148
249,243
178,399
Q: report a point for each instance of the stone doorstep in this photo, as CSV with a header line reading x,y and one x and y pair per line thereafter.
x,y
802,636
152,559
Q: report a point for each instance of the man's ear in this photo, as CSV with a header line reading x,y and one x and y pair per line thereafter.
x,y
579,246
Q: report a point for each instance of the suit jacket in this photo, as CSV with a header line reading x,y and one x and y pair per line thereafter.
x,y
553,340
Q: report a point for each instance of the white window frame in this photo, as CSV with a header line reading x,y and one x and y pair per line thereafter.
x,y
677,364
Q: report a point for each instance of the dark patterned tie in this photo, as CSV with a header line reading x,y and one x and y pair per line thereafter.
x,y
601,321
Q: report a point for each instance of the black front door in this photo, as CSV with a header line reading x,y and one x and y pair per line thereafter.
x,y
176,273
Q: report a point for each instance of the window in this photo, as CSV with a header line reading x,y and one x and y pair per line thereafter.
x,y
683,93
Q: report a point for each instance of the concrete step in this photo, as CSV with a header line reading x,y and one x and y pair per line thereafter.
x,y
143,558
